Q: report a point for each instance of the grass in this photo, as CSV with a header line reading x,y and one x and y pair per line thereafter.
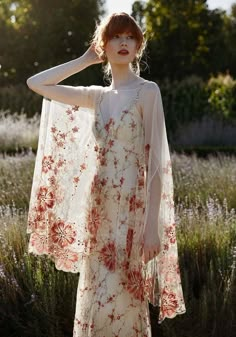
x,y
18,132
37,300
206,131
16,179
197,179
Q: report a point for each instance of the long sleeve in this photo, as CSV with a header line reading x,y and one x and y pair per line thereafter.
x,y
160,230
82,96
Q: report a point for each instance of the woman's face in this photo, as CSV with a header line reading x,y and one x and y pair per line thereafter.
x,y
121,48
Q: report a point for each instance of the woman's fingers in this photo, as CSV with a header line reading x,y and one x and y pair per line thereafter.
x,y
150,253
92,56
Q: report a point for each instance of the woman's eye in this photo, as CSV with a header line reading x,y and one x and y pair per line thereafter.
x,y
130,37
116,36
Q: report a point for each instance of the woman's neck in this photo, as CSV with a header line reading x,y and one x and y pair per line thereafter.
x,y
122,76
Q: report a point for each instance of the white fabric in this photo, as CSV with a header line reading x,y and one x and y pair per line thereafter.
x,y
120,140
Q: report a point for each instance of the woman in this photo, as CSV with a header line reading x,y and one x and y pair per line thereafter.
x,y
102,194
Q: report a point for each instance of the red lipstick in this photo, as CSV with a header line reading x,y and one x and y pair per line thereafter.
x,y
123,52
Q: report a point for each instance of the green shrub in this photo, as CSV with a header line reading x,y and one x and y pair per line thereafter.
x,y
207,251
35,299
17,132
198,179
19,98
208,132
203,151
183,101
38,300
221,92
16,174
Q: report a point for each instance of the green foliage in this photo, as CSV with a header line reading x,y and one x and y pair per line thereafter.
x,y
204,151
40,34
186,38
222,96
213,177
17,132
197,112
208,135
181,36
36,300
198,179
191,100
16,175
230,38
183,101
206,244
137,12
19,98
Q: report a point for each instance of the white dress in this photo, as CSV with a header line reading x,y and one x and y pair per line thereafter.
x,y
103,189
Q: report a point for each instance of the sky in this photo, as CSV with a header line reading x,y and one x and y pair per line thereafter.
x,y
126,5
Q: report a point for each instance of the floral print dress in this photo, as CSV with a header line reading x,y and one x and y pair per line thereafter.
x,y
98,197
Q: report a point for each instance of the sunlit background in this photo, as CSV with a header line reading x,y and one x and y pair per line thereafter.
x,y
126,5
191,55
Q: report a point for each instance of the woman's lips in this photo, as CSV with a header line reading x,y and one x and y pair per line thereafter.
x,y
123,52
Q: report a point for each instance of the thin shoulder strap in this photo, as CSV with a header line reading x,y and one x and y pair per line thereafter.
x,y
137,95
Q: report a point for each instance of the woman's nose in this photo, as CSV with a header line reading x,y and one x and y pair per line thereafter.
x,y
123,42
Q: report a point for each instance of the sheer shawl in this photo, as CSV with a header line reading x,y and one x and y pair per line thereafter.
x,y
62,181
160,228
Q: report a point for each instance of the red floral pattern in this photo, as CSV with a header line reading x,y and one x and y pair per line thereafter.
x,y
129,241
94,221
170,232
62,234
169,304
66,259
40,242
135,284
47,163
46,198
108,256
88,214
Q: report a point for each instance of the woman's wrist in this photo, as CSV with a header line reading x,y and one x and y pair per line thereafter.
x,y
58,73
86,60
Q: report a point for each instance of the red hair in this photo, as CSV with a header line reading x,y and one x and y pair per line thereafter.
x,y
118,23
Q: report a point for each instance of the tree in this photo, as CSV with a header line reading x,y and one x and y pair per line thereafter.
x,y
185,37
39,34
138,11
230,33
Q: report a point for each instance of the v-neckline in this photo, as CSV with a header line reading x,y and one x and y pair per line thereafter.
x,y
126,107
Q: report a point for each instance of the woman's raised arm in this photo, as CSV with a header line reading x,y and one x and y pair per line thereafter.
x,y
46,82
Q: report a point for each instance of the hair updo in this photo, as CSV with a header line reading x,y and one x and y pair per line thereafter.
x,y
118,23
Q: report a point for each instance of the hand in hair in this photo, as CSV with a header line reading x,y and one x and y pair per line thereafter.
x,y
91,56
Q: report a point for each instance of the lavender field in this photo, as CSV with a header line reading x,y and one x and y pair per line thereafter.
x,y
37,300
